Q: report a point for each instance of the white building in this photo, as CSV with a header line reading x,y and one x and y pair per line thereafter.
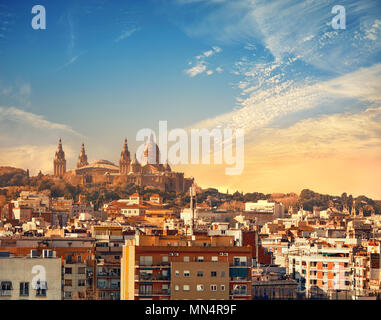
x,y
37,201
265,207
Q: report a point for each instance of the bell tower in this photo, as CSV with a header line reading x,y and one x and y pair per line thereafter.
x,y
135,165
59,162
124,162
82,159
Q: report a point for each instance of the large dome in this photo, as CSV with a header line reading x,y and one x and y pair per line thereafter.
x,y
100,165
151,153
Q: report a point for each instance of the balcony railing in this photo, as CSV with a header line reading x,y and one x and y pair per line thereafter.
x,y
108,287
239,293
108,274
153,293
152,278
153,265
240,279
240,264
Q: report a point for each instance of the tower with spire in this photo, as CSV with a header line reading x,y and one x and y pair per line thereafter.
x,y
135,165
353,211
82,159
124,162
59,162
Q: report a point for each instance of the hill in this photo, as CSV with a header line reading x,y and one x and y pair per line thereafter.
x,y
10,176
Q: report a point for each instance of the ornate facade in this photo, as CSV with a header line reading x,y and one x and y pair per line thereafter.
x,y
148,172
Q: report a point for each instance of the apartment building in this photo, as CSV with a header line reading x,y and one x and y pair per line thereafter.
x,y
30,277
108,253
107,280
75,276
75,255
320,269
179,267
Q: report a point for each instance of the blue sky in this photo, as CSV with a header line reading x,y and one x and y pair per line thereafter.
x,y
105,69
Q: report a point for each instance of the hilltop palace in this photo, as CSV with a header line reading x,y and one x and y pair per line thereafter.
x,y
146,173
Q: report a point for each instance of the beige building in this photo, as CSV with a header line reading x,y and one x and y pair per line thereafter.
x,y
26,278
74,286
200,280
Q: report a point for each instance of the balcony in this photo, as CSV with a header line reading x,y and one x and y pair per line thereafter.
x,y
108,274
106,287
240,279
150,278
153,265
153,293
240,264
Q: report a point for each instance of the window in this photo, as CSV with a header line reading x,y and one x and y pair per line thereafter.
x,y
186,287
81,270
145,289
222,287
186,273
68,282
177,288
24,289
146,260
67,294
67,270
240,290
200,273
186,259
222,274
200,287
164,287
177,273
6,285
79,259
41,287
165,258
214,259
200,259
213,273
81,283
213,287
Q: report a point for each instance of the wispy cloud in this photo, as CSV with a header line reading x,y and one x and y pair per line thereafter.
x,y
200,65
259,108
17,92
127,33
71,61
16,115
196,69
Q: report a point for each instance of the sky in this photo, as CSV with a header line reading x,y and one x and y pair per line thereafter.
x,y
306,95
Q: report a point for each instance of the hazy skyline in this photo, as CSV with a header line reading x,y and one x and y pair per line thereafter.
x,y
307,96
